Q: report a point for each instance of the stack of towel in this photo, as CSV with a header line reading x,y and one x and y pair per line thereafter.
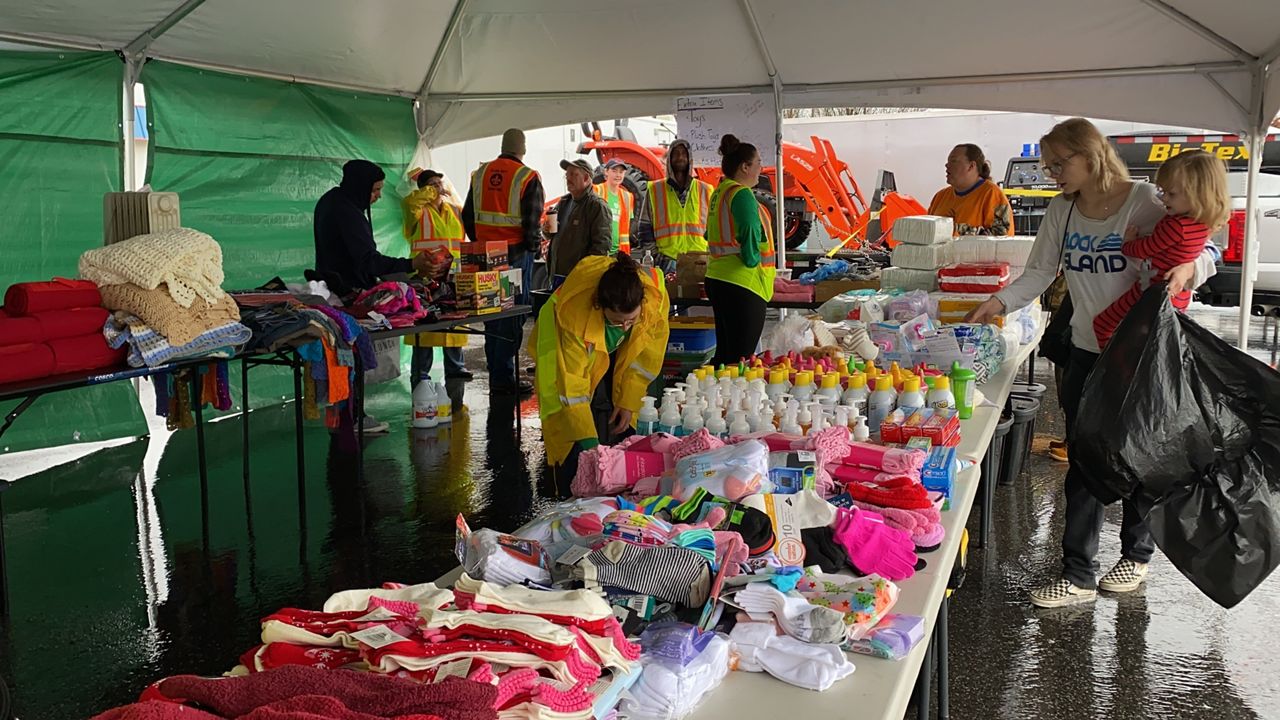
x,y
51,328
165,289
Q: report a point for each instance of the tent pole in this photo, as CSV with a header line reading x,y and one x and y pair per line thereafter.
x,y
132,70
779,198
1249,263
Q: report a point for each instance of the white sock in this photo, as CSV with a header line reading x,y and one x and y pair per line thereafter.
x,y
815,667
800,619
749,638
667,690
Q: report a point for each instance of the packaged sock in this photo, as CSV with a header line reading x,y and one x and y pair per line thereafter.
x,y
797,616
666,691
673,574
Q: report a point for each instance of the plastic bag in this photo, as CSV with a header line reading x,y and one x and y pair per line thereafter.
x,y
793,334
1196,446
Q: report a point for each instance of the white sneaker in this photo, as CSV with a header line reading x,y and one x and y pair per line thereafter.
x,y
1126,576
1061,593
374,426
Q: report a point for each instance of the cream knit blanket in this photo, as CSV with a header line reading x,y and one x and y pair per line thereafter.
x,y
187,261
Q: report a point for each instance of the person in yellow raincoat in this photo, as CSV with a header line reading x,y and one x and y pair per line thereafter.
x,y
432,223
599,343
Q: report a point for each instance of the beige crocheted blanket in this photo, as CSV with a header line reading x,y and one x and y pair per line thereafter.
x,y
157,309
188,262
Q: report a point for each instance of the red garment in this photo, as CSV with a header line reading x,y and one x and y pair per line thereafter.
x,y
1174,241
25,362
72,322
84,353
155,710
20,330
57,294
376,695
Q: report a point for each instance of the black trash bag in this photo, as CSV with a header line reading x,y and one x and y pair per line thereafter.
x,y
1188,427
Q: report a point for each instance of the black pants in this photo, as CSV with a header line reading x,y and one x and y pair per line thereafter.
x,y
1084,511
739,321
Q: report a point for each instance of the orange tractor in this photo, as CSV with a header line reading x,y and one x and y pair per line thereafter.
x,y
816,184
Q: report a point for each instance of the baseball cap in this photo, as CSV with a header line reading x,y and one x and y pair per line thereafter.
x,y
582,165
613,163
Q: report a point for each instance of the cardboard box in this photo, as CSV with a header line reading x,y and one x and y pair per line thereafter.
x,y
827,289
691,268
479,291
688,292
512,284
483,256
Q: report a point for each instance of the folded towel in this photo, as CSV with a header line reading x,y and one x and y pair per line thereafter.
x,y
188,262
57,294
28,361
87,352
179,325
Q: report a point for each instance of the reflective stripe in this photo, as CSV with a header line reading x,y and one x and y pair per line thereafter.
x,y
497,219
635,366
575,400
722,232
496,188
664,225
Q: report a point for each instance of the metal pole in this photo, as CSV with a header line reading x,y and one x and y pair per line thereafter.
x,y
944,667
198,405
1249,263
132,67
779,196
297,436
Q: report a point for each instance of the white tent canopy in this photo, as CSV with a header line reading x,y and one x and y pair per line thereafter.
x,y
478,67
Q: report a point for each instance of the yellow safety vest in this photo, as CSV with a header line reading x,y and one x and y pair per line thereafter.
x,y
440,229
572,358
679,227
722,242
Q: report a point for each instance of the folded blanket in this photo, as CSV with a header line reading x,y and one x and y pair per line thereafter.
x,y
87,352
188,262
179,325
150,348
20,330
72,322
57,294
25,362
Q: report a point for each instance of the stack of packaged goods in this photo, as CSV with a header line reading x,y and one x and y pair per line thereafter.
x,y
165,291
52,328
486,280
925,245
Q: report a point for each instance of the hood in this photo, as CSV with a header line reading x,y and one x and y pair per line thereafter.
x,y
688,149
358,177
576,298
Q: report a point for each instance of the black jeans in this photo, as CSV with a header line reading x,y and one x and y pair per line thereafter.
x,y
739,321
1084,511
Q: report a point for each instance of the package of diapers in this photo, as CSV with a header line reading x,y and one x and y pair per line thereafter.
x,y
974,249
1014,250
923,229
896,278
922,257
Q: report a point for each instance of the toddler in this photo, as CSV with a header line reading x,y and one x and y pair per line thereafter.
x,y
1194,191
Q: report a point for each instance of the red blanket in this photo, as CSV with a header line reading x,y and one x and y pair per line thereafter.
x,y
21,330
25,362
57,294
72,322
86,352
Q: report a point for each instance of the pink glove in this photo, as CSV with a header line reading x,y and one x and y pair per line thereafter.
x,y
873,546
731,551
924,526
699,442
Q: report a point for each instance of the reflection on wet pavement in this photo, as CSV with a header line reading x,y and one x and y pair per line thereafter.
x,y
114,585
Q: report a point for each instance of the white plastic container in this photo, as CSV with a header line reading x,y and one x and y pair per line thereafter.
x,y
670,421
692,421
911,396
740,426
648,419
715,424
830,387
860,431
940,397
444,406
425,407
880,404
857,393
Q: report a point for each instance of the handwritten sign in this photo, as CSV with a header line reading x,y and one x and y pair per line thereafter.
x,y
704,119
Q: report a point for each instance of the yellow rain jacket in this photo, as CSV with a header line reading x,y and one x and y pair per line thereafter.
x,y
569,344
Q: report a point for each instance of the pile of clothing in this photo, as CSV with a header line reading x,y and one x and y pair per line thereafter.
x,y
165,291
51,328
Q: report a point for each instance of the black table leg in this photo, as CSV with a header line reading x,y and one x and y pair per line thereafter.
x,y
4,566
244,430
924,685
944,665
357,411
297,436
198,406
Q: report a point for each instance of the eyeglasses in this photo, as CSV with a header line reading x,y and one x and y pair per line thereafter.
x,y
624,325
1055,168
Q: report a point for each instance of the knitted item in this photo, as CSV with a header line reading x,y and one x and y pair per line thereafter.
x,y
179,325
900,492
924,526
149,348
845,474
699,442
822,550
188,262
873,546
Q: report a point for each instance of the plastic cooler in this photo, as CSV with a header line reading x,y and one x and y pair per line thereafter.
x,y
1017,443
992,464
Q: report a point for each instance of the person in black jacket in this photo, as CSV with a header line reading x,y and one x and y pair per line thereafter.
x,y
343,229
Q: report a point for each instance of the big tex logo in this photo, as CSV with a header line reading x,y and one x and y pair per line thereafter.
x,y
1160,152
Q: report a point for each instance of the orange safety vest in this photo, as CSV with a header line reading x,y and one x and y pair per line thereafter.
x,y
722,231
496,189
623,221
679,227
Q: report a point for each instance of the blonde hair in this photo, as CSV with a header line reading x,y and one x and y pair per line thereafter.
x,y
1202,177
1079,136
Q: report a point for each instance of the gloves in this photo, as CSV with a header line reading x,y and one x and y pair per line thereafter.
x,y
873,546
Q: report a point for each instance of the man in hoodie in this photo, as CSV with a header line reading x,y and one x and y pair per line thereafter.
x,y
677,207
343,230
585,222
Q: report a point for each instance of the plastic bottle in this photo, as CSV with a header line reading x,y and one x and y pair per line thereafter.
x,y
860,431
857,392
777,384
740,426
940,396
708,380
911,396
881,403
790,424
648,419
963,386
425,406
804,388
830,387
820,414
648,259
444,406
841,417
670,422
692,421
715,398
715,423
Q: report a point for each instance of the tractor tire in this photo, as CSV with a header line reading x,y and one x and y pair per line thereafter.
x,y
798,229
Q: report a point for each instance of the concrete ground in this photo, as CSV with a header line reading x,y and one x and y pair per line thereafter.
x,y
114,583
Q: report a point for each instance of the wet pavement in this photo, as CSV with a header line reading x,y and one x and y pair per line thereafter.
x,y
115,583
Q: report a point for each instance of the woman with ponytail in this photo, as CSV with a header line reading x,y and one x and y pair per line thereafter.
x,y
599,343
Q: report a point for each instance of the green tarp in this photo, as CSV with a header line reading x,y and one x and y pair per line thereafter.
x,y
60,150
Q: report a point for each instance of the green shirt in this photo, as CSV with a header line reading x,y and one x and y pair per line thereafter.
x,y
745,268
614,201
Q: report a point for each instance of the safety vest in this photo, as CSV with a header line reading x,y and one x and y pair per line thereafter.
x,y
722,231
496,189
440,229
621,221
679,227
